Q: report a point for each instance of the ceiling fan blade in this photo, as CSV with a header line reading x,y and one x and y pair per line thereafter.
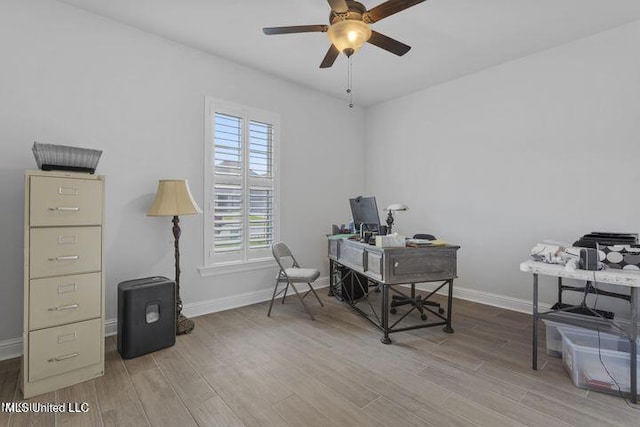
x,y
338,6
388,8
388,44
296,29
330,57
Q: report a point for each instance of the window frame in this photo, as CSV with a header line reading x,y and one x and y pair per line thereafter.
x,y
252,258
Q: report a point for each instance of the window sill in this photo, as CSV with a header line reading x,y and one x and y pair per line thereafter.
x,y
237,267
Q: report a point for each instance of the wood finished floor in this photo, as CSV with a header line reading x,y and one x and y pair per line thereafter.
x,y
240,368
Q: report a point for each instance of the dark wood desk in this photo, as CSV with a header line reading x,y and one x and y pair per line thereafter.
x,y
388,267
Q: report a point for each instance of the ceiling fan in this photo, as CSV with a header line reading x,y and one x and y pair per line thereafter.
x,y
349,28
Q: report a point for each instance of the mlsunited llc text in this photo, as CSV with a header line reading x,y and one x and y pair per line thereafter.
x,y
68,407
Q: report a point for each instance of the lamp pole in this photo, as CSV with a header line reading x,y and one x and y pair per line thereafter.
x,y
173,199
183,324
389,221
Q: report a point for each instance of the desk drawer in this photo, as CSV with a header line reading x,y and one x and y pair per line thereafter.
x,y
58,251
422,267
62,349
333,249
65,201
59,300
374,262
352,256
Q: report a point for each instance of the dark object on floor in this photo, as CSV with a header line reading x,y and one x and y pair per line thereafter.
x,y
417,302
579,309
354,286
146,315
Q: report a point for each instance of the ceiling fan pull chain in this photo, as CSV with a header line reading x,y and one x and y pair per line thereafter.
x,y
350,82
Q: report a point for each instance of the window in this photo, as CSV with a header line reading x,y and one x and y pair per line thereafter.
x,y
242,176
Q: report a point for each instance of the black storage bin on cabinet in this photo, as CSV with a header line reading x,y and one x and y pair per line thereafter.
x,y
146,315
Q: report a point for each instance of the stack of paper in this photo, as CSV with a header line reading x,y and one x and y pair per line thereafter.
x,y
418,243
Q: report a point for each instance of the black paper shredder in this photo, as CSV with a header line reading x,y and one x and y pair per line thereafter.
x,y
146,315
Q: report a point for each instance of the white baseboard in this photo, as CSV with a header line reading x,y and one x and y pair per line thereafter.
x,y
10,349
235,301
487,298
13,347
110,327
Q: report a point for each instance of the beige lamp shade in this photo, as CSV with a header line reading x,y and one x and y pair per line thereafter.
x,y
173,199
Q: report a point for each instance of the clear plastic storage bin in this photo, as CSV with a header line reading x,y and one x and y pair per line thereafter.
x,y
554,339
581,359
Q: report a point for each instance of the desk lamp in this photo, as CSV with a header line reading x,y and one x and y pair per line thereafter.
x,y
173,199
396,207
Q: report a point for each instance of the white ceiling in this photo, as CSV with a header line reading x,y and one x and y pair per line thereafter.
x,y
449,38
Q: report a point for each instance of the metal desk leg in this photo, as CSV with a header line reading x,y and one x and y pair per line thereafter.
x,y
448,329
534,352
332,267
385,315
633,335
560,291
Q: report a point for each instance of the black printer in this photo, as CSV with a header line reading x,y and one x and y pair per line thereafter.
x,y
606,239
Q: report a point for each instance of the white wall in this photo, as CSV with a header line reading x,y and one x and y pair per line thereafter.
x,y
546,147
70,77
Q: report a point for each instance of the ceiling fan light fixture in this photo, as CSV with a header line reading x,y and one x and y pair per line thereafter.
x,y
349,36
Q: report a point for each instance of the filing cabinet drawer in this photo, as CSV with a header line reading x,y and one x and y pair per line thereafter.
x,y
65,201
59,300
62,349
70,250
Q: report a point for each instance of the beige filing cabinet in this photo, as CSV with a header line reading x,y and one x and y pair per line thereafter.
x,y
63,331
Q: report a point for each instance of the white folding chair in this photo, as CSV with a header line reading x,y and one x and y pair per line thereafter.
x,y
291,275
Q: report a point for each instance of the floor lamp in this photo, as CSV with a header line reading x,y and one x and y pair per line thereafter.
x,y
174,199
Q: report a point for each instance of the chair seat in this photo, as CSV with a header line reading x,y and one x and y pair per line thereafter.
x,y
303,275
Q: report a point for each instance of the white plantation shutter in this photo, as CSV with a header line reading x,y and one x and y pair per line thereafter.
x,y
242,221
227,152
227,218
260,218
261,185
260,150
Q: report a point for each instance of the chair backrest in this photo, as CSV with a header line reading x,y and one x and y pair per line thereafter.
x,y
280,252
424,236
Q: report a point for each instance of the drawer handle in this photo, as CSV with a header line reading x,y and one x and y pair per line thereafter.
x,y
64,209
65,357
396,264
65,307
65,289
65,258
68,191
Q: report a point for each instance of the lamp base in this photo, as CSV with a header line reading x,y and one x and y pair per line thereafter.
x,y
184,325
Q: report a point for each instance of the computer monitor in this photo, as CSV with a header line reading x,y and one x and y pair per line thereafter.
x,y
365,211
